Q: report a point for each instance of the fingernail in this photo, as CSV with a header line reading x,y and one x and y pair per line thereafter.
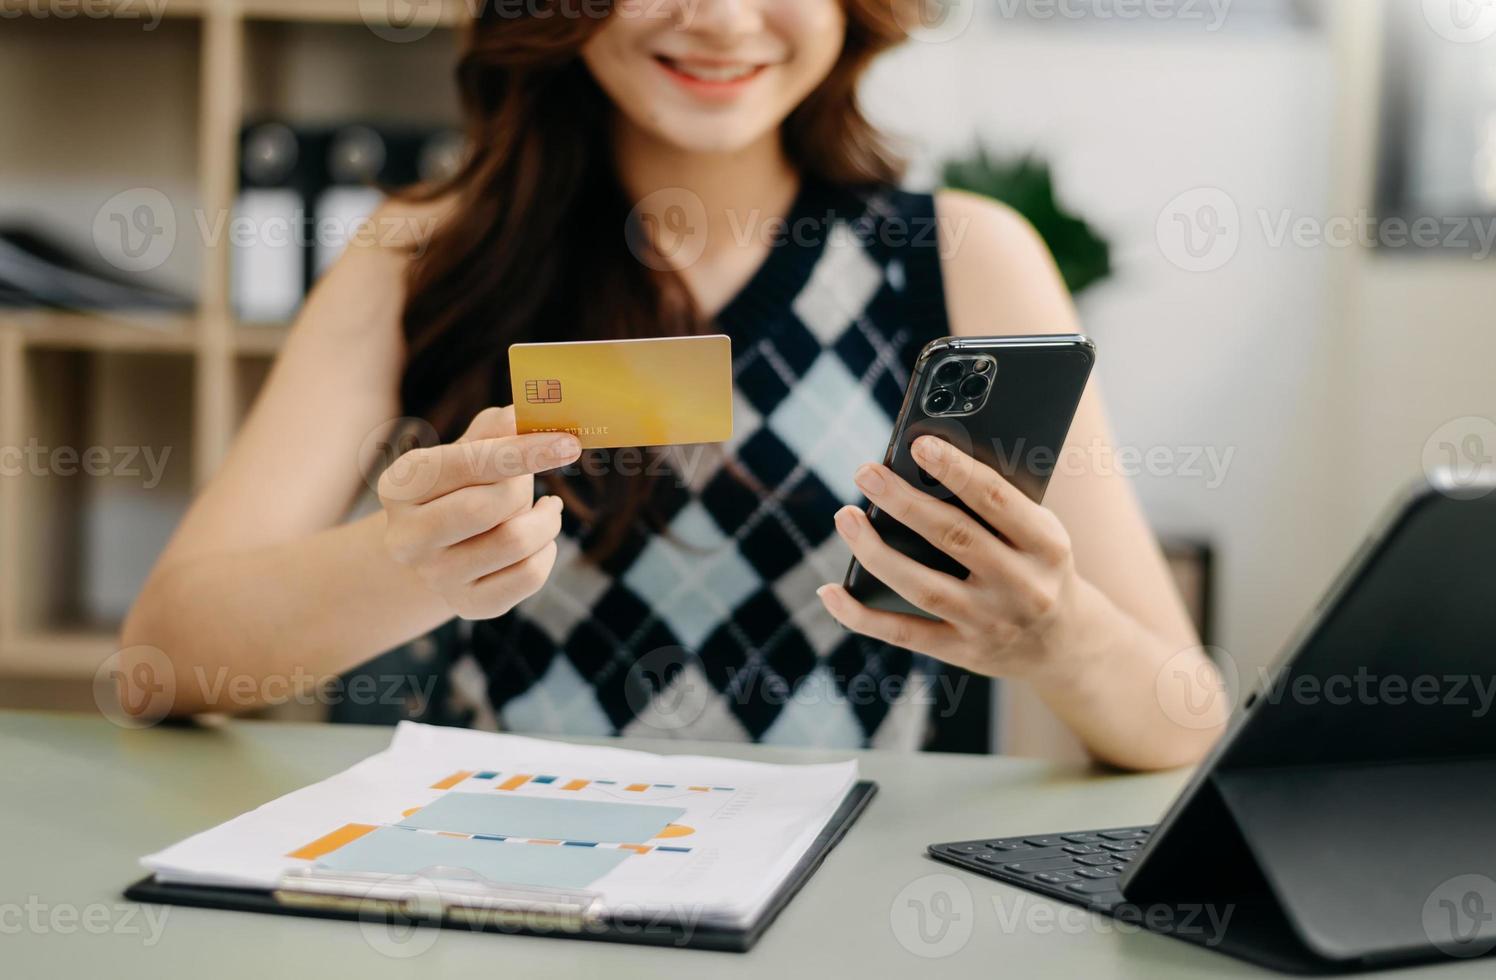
x,y
871,481
846,522
929,447
556,502
827,594
567,448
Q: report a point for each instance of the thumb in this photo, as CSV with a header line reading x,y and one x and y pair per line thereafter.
x,y
491,423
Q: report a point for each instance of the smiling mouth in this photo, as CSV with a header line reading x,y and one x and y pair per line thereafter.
x,y
717,73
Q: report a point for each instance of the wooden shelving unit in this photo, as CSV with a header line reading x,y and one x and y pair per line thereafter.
x,y
107,101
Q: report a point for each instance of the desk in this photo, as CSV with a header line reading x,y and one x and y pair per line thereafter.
x,y
83,800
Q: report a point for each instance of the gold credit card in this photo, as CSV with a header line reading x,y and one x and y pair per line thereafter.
x,y
611,394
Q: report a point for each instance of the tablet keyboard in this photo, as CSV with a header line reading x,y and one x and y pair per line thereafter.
x,y
1081,868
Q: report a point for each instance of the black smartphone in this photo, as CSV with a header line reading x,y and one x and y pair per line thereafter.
x,y
1006,401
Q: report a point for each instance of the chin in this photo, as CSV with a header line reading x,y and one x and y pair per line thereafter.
x,y
709,139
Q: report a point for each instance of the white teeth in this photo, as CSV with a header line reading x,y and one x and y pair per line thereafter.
x,y
714,73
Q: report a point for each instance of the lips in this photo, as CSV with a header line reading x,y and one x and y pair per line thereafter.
x,y
723,74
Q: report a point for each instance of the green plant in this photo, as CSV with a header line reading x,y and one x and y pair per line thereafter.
x,y
1027,186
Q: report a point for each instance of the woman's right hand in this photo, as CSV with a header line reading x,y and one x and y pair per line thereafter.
x,y
464,517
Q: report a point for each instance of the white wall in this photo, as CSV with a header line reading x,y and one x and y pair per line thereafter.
x,y
1240,360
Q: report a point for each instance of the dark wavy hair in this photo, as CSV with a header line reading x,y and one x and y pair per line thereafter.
x,y
537,245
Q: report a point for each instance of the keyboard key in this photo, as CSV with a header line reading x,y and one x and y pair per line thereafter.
x,y
1125,834
1056,877
1006,845
1046,841
1096,873
1034,867
1126,845
1037,854
968,848
1083,849
1084,838
1125,856
1098,859
1092,887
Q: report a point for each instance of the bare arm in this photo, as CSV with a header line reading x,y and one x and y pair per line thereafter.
x,y
261,581
1100,615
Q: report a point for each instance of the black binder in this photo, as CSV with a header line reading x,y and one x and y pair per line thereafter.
x,y
519,919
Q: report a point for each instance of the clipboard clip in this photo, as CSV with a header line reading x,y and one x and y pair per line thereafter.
x,y
441,893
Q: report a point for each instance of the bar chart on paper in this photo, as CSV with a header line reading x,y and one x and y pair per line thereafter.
x,y
637,830
577,828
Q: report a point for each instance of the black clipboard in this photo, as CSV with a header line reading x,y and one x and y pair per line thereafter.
x,y
529,921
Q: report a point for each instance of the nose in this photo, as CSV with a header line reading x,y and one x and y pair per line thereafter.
x,y
719,18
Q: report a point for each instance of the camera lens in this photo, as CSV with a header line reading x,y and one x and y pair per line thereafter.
x,y
948,373
939,402
974,387
982,367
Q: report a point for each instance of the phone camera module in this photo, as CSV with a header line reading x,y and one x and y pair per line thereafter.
x,y
940,402
982,367
974,387
949,373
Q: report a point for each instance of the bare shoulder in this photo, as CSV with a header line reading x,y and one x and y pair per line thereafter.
x,y
999,275
360,299
406,225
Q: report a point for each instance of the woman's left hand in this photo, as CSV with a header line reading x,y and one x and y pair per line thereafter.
x,y
1018,614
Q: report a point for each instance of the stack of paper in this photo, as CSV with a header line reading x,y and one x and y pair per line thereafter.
x,y
697,839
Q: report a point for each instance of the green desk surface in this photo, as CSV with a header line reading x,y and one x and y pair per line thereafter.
x,y
81,800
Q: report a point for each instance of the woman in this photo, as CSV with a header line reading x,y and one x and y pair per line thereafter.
x,y
674,167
